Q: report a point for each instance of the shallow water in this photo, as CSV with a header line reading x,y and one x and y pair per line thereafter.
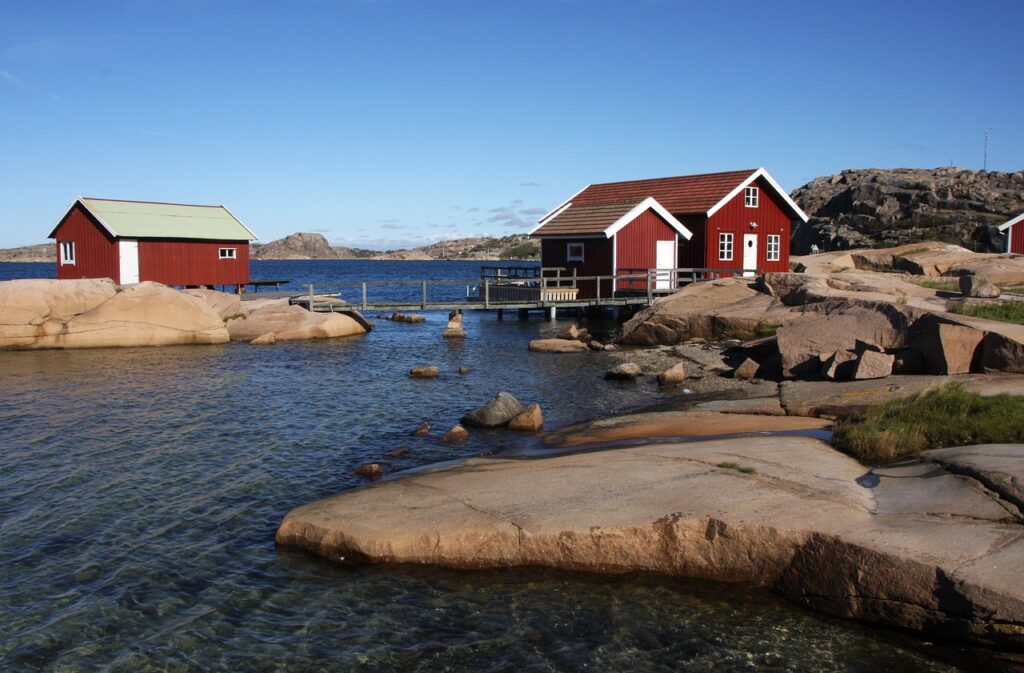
x,y
140,490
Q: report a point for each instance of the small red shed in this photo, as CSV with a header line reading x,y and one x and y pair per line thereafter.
x,y
1014,234
134,241
732,220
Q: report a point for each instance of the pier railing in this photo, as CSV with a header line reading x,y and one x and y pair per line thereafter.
x,y
628,287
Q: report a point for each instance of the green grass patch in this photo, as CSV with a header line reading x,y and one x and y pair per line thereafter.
x,y
766,329
937,284
942,417
727,465
1010,311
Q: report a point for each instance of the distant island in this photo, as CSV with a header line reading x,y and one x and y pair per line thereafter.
x,y
315,246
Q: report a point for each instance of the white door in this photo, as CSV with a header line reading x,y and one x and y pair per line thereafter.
x,y
665,261
749,253
129,251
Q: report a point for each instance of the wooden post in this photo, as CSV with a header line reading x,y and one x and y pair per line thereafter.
x,y
599,290
487,293
364,295
423,302
650,287
310,297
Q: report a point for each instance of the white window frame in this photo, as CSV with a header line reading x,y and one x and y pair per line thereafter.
x,y
774,250
227,253
67,252
725,247
569,256
751,195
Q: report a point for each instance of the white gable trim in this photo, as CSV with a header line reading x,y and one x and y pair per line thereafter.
x,y
1006,225
252,236
67,211
650,203
558,209
759,173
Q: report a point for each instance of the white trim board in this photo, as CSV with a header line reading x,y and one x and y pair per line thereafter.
x,y
67,211
1006,225
650,203
558,209
759,173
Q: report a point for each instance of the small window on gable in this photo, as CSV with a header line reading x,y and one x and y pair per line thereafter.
x,y
725,247
574,252
228,253
67,252
750,195
774,241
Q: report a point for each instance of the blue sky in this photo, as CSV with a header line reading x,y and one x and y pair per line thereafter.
x,y
390,123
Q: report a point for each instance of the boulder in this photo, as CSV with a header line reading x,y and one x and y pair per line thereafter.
x,y
595,345
225,304
976,286
625,371
422,431
672,376
292,323
454,329
499,411
557,346
456,434
873,365
946,348
747,370
531,420
907,361
370,470
428,372
463,370
267,339
839,366
398,453
1001,353
573,333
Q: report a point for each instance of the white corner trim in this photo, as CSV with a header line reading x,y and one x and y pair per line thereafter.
x,y
67,211
557,210
759,173
1006,225
652,204
252,236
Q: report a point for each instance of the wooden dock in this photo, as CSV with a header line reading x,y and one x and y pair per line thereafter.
x,y
505,289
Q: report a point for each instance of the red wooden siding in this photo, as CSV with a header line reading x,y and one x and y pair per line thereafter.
x,y
178,262
597,261
95,249
1016,236
735,218
636,246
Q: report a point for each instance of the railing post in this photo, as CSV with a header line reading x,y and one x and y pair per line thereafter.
x,y
487,293
650,287
364,295
599,290
423,300
311,297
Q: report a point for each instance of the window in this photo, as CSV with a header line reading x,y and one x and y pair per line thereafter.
x,y
774,241
67,252
228,253
574,252
725,246
750,197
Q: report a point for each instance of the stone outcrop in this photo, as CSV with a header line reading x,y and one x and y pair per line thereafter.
x,y
95,313
226,305
455,435
496,413
290,322
305,245
454,330
945,347
531,420
427,372
862,208
977,286
916,547
557,346
43,252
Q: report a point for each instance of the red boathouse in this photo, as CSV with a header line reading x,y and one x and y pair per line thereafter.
x,y
134,241
733,220
1014,230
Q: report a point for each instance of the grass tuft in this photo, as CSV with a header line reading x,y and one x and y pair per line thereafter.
x,y
1004,312
766,329
942,417
728,465
944,285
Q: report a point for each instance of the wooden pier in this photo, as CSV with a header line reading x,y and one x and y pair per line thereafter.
x,y
500,289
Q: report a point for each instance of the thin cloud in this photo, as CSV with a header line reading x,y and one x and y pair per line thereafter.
x,y
529,184
10,78
530,212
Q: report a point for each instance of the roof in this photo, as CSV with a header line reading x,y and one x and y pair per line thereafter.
x,y
1006,225
604,218
146,219
700,194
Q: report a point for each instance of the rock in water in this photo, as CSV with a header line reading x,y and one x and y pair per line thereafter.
x,y
422,431
499,411
454,329
370,470
625,371
429,372
456,434
531,420
399,453
557,346
672,376
267,339
463,370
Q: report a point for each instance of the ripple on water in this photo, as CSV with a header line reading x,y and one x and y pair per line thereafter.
x,y
140,490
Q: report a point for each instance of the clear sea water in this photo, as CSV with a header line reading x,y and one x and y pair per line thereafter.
x,y
140,490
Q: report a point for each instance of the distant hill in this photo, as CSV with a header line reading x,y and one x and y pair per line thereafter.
x,y
884,207
305,246
44,252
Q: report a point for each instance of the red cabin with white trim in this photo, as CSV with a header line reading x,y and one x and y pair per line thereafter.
x,y
733,220
1014,230
134,241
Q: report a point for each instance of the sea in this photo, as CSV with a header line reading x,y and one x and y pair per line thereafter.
x,y
140,490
